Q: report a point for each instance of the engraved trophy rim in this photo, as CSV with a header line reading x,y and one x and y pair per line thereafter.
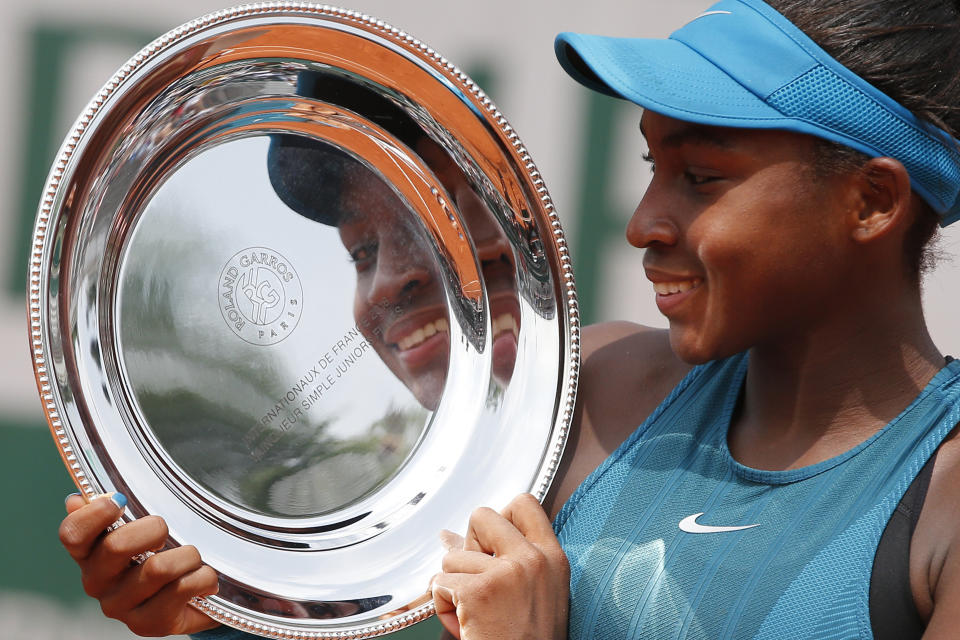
x,y
49,274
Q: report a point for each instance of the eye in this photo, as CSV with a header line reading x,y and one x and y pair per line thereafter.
x,y
698,178
364,255
648,158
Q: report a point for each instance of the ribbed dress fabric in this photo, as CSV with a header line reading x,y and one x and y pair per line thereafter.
x,y
803,572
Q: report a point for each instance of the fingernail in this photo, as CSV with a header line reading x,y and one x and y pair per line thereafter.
x,y
116,497
119,499
450,540
75,493
442,592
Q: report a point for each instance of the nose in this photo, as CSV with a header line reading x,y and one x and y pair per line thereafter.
x,y
650,225
493,248
490,240
402,273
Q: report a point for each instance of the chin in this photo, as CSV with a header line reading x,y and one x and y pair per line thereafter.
x,y
693,349
693,358
428,389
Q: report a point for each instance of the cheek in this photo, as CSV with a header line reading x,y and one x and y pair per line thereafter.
x,y
725,247
366,313
360,306
771,223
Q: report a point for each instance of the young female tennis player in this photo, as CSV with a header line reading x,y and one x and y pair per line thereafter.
x,y
781,462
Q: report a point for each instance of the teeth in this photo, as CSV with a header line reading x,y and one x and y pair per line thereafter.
x,y
669,288
505,322
431,328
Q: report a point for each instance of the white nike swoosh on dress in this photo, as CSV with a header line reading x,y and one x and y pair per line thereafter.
x,y
690,525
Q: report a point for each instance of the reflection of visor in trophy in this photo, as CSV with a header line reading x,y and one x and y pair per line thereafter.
x,y
308,174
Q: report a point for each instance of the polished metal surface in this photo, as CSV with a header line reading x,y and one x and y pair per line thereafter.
x,y
297,287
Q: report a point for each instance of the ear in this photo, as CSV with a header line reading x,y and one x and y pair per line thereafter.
x,y
882,202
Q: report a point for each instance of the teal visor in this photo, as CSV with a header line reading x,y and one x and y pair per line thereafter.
x,y
742,64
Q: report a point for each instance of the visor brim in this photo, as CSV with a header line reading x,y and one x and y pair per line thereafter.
x,y
665,76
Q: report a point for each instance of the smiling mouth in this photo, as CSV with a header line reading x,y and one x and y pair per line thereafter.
x,y
673,288
422,333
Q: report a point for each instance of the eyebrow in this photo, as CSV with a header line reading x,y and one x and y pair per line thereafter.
x,y
695,134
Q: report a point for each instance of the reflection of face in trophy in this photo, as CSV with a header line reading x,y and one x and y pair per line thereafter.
x,y
393,264
399,303
494,255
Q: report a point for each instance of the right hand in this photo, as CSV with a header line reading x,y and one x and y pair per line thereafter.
x,y
510,580
152,598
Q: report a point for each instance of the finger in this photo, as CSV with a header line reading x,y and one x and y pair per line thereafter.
x,y
467,562
81,528
451,540
445,587
112,555
146,580
196,621
169,612
526,513
490,532
73,502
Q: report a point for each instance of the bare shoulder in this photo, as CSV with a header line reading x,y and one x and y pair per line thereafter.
x,y
626,371
935,547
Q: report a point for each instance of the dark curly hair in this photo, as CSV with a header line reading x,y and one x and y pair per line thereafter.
x,y
910,50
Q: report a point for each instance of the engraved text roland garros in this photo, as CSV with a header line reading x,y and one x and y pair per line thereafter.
x,y
690,525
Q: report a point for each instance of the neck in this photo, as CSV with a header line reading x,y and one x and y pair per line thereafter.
x,y
814,397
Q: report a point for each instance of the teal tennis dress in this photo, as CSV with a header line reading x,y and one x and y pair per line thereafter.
x,y
672,538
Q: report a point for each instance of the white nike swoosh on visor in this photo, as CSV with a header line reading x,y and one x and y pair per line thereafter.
x,y
690,525
711,13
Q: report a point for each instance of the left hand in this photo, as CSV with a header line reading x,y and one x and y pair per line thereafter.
x,y
510,581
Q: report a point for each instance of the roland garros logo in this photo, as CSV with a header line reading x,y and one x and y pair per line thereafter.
x,y
260,296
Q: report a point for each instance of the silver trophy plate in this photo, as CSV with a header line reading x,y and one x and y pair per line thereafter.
x,y
297,287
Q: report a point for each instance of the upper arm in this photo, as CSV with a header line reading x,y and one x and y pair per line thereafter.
x,y
945,619
626,371
935,547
